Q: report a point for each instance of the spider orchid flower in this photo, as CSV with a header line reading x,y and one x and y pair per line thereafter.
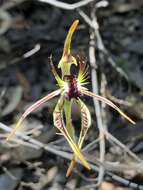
x,y
71,89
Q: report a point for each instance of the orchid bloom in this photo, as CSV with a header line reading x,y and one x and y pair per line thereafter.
x,y
71,89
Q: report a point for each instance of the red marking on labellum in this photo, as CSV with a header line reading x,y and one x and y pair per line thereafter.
x,y
73,90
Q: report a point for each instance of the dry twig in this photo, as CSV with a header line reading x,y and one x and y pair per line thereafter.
x,y
92,22
37,144
28,141
94,25
67,6
97,107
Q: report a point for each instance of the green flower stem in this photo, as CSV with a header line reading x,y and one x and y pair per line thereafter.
x,y
67,110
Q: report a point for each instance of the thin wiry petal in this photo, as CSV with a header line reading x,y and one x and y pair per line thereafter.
x,y
108,102
76,150
85,124
32,108
59,123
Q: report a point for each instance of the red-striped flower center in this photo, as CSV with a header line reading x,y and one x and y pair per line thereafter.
x,y
72,88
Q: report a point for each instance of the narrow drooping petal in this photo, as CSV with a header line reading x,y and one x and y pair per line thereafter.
x,y
59,124
108,102
85,124
32,108
77,151
58,114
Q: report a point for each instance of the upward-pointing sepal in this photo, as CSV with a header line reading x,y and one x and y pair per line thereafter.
x,y
67,59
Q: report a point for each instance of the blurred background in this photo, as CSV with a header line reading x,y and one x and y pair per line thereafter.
x,y
109,37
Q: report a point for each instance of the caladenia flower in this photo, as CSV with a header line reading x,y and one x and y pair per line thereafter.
x,y
71,89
